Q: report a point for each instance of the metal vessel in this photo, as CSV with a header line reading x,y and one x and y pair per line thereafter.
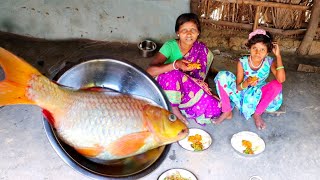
x,y
119,76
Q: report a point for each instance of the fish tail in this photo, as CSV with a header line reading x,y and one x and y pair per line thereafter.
x,y
17,74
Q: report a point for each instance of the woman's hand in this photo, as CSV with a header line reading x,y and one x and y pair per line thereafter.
x,y
183,65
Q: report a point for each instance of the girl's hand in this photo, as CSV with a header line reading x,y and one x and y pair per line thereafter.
x,y
252,81
276,49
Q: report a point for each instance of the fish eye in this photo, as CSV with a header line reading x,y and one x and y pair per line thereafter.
x,y
172,117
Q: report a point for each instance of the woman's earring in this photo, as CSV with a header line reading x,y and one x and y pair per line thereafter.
x,y
178,35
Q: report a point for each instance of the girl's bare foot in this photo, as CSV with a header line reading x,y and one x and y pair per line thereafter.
x,y
176,111
224,115
260,124
230,116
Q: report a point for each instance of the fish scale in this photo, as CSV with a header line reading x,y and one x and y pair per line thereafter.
x,y
88,125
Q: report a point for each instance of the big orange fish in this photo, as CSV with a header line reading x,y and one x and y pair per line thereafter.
x,y
103,125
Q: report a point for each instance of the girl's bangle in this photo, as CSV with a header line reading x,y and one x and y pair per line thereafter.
x,y
173,65
280,67
241,85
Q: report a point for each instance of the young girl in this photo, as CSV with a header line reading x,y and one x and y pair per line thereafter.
x,y
249,91
180,67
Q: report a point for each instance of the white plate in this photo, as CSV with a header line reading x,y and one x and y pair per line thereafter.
x,y
206,139
178,172
258,144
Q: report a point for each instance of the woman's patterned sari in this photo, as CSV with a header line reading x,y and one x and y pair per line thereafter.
x,y
188,91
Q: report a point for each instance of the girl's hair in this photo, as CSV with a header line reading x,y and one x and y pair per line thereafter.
x,y
265,39
187,17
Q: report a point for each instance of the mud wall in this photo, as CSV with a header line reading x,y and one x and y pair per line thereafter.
x,y
107,20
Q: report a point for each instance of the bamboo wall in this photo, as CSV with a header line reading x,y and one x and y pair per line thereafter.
x,y
281,17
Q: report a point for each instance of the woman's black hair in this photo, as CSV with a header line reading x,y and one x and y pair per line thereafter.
x,y
187,17
265,39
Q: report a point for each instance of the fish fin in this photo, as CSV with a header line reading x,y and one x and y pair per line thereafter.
x,y
128,144
17,75
47,114
90,151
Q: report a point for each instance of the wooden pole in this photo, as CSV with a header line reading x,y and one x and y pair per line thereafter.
x,y
305,45
194,7
256,18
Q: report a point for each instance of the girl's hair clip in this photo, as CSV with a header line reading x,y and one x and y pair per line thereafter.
x,y
258,31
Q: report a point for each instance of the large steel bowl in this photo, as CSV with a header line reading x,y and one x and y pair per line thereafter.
x,y
119,76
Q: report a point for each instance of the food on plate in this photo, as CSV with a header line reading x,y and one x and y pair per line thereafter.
x,y
195,65
197,146
195,138
176,176
196,142
248,145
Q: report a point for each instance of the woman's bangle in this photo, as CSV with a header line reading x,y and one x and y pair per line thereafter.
x,y
173,65
280,67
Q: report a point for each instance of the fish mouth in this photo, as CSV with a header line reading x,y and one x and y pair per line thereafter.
x,y
183,133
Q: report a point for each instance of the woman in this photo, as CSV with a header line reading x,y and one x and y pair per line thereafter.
x,y
180,67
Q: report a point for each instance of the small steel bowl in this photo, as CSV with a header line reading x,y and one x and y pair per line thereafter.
x,y
123,77
147,48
